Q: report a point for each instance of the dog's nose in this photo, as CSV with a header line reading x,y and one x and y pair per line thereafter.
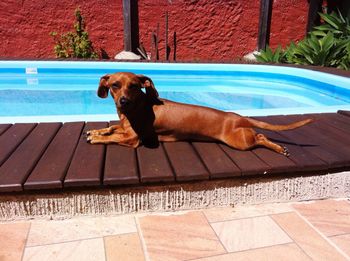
x,y
123,101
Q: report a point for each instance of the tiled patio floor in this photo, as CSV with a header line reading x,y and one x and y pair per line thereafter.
x,y
317,230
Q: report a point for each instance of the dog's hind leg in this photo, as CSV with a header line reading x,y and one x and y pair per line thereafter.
x,y
247,138
240,138
261,140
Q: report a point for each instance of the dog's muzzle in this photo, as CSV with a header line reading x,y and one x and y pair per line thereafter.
x,y
124,102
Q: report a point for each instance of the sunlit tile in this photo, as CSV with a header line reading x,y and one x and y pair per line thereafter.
x,y
124,247
343,242
249,233
91,249
287,252
179,237
331,217
313,244
228,213
13,237
57,231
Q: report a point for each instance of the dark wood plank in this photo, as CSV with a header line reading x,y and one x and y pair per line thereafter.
x,y
312,141
154,165
335,139
247,161
278,162
12,138
345,113
88,161
343,118
53,165
216,160
4,127
185,161
16,169
335,121
305,160
120,166
338,139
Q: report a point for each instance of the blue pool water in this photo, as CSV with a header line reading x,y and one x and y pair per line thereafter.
x,y
64,91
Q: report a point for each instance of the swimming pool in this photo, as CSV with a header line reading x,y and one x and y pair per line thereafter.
x,y
44,91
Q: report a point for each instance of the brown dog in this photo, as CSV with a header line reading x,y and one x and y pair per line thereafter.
x,y
146,119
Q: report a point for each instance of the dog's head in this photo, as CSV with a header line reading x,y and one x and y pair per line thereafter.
x,y
125,89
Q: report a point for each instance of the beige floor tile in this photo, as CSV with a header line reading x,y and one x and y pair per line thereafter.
x,y
288,252
229,213
179,237
91,249
343,242
313,244
331,217
13,237
244,234
57,231
124,247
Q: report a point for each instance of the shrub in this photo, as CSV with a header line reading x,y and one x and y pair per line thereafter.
x,y
334,23
313,50
74,44
271,56
326,45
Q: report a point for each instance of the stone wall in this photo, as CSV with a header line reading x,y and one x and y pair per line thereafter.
x,y
187,196
206,29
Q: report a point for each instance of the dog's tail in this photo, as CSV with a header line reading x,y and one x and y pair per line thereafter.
x,y
273,127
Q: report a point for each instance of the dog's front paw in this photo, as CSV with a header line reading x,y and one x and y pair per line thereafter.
x,y
106,131
90,132
285,151
88,138
86,134
93,139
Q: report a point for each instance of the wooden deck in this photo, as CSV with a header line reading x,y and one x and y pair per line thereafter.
x,y
56,156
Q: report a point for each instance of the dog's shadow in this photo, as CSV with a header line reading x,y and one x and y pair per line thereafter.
x,y
144,126
287,142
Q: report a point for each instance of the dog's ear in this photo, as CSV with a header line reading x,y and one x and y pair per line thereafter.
x,y
149,86
103,88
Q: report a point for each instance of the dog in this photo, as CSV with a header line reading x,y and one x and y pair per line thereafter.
x,y
146,119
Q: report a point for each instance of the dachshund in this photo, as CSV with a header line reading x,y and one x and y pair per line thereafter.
x,y
146,119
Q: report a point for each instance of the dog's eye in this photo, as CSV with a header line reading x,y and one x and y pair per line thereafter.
x,y
133,86
116,85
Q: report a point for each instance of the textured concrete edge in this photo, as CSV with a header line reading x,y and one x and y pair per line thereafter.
x,y
195,195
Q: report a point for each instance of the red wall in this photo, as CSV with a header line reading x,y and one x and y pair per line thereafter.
x,y
25,25
206,29
289,19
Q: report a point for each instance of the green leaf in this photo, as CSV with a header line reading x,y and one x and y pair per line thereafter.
x,y
314,43
330,20
319,33
323,27
308,57
268,51
327,42
342,20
